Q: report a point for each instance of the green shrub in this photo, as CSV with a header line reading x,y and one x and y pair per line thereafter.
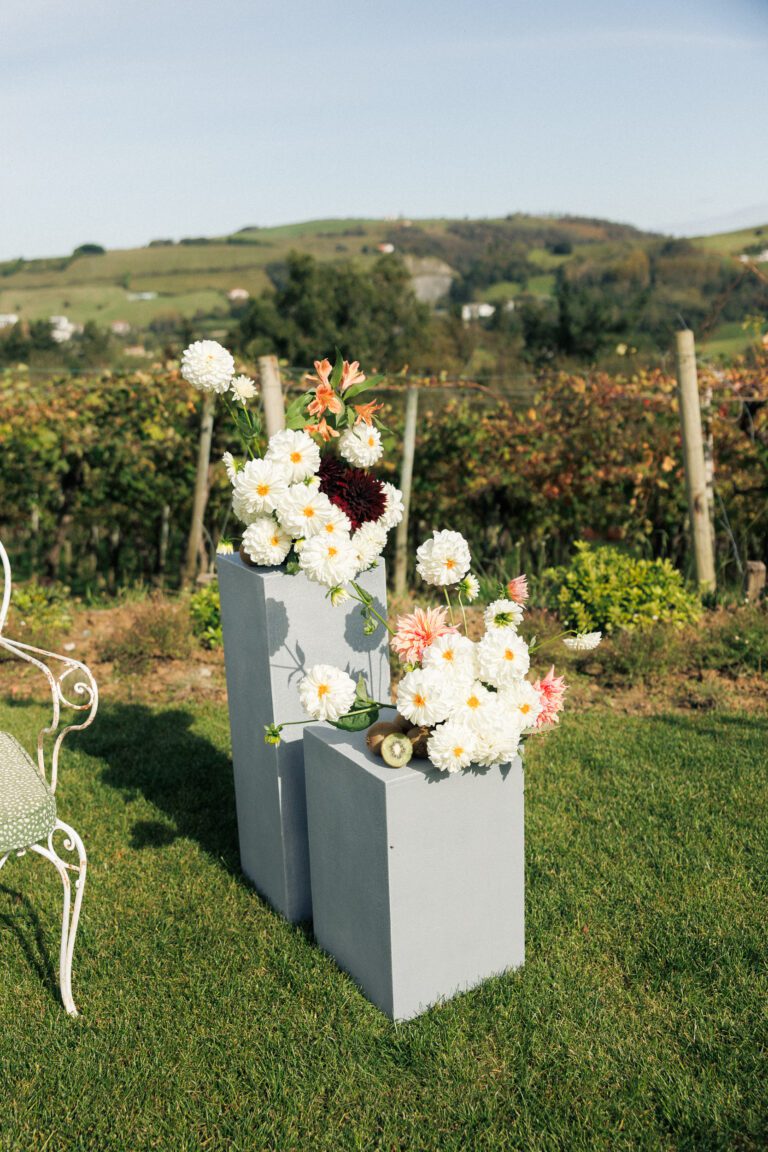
x,y
157,629
607,589
39,612
205,611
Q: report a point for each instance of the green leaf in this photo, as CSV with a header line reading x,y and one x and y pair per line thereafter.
x,y
338,368
297,406
362,696
358,721
356,389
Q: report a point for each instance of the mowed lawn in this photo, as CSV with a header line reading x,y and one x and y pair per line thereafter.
x,y
638,1021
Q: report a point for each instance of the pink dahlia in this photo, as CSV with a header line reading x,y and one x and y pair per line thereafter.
x,y
517,590
416,631
551,691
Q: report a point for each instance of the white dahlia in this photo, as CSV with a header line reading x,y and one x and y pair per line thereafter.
x,y
498,744
502,657
243,389
503,614
260,487
228,461
393,509
265,542
338,524
469,588
453,655
303,510
326,693
423,697
475,707
444,559
369,541
452,746
361,445
295,452
207,366
522,701
329,560
584,642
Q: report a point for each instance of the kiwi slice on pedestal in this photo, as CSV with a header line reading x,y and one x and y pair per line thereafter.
x,y
396,749
377,732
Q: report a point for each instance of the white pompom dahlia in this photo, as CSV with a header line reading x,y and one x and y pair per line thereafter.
x,y
394,509
304,510
523,702
453,655
444,559
329,560
369,541
259,488
361,445
452,746
503,614
265,542
296,452
208,366
503,657
326,693
424,697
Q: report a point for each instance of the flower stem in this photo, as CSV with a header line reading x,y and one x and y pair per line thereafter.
x,y
463,614
367,603
448,602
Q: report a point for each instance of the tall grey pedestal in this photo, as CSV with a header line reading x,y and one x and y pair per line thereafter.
x,y
417,877
275,628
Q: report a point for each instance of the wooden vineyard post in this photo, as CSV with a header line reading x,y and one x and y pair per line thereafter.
x,y
271,394
406,479
693,459
195,541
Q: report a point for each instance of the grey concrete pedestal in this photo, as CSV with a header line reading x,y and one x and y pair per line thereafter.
x,y
417,877
275,628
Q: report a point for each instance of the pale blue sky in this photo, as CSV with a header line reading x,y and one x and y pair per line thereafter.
x,y
126,120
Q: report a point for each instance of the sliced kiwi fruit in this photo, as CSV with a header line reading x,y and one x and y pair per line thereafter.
x,y
377,732
418,737
396,749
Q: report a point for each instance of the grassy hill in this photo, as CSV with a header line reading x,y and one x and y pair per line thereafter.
x,y
494,259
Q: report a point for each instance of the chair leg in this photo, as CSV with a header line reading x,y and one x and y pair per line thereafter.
x,y
71,912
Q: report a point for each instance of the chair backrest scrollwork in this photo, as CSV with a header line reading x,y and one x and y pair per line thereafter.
x,y
72,684
6,601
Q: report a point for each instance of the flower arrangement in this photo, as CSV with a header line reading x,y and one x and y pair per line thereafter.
x,y
460,702
302,505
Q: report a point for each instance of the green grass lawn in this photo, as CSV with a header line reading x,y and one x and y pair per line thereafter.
x,y
638,1021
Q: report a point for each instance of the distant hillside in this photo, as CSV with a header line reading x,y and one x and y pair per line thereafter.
x,y
491,260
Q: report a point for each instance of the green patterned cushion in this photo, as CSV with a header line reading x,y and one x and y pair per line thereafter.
x,y
27,805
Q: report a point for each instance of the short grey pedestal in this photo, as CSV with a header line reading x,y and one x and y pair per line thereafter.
x,y
275,628
417,877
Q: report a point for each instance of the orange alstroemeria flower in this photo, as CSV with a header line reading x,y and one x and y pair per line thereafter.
x,y
323,369
350,375
365,412
325,397
321,429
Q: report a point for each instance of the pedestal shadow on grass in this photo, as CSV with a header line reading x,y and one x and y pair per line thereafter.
x,y
180,772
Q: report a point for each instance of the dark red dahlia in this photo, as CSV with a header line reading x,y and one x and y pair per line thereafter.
x,y
357,493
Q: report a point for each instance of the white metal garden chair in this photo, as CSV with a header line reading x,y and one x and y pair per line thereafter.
x,y
28,817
